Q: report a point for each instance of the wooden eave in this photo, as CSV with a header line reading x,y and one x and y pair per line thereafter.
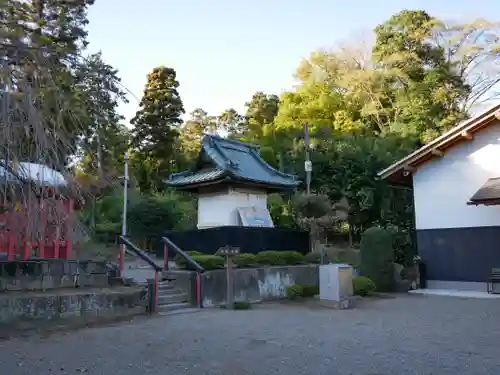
x,y
400,173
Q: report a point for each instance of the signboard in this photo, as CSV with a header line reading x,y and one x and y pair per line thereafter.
x,y
255,217
228,251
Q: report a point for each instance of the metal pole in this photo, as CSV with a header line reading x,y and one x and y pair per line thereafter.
x,y
307,163
124,215
308,172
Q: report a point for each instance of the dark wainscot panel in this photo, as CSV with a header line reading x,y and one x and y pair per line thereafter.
x,y
248,239
459,254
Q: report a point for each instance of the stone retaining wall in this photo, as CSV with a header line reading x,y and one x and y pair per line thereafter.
x,y
36,275
250,284
25,310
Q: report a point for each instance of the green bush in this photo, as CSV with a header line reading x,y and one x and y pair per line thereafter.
x,y
363,286
242,305
312,257
181,261
270,258
295,291
291,257
245,260
310,290
208,262
150,216
377,258
107,232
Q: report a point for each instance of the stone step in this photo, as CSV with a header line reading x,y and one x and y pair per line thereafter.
x,y
172,298
174,306
166,285
168,292
187,310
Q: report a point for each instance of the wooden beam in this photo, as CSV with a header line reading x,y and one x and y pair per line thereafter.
x,y
437,152
467,135
497,115
408,170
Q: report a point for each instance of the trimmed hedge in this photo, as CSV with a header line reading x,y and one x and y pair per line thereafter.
x,y
181,261
270,258
291,257
297,291
245,260
208,262
363,286
310,290
294,291
312,257
279,258
377,258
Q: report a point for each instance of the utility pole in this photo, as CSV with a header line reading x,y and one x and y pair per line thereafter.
x,y
124,216
307,163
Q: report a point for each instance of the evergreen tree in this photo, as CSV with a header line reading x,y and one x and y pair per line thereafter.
x,y
157,121
105,140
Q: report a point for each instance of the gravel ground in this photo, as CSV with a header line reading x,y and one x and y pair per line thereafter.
x,y
403,335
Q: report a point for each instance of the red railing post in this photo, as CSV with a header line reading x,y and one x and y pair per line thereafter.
x,y
69,229
57,245
12,244
165,256
121,260
27,248
155,287
198,289
42,242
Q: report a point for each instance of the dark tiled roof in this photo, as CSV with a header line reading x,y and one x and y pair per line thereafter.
x,y
489,192
232,160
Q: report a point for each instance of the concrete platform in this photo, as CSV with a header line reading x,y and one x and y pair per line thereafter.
x,y
455,293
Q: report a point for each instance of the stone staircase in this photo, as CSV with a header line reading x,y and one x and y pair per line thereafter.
x,y
171,299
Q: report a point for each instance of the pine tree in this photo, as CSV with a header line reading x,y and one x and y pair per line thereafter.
x,y
157,121
104,139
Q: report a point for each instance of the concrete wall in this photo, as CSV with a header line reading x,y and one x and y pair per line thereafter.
x,y
250,284
220,208
443,187
34,310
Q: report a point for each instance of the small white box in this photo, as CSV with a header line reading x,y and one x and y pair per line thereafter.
x,y
335,282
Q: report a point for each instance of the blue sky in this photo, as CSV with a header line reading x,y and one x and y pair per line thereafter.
x,y
224,51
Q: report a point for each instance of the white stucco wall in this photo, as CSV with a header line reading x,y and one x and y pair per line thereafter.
x,y
220,209
443,186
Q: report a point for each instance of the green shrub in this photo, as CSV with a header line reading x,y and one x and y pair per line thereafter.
x,y
310,290
312,257
245,260
363,286
208,262
294,291
242,305
377,258
291,257
181,261
270,258
107,232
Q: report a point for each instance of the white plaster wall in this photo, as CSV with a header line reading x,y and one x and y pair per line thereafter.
x,y
443,186
220,209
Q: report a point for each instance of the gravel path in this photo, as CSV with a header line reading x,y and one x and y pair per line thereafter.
x,y
404,335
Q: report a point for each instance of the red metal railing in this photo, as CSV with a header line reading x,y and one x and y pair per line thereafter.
x,y
18,231
199,269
